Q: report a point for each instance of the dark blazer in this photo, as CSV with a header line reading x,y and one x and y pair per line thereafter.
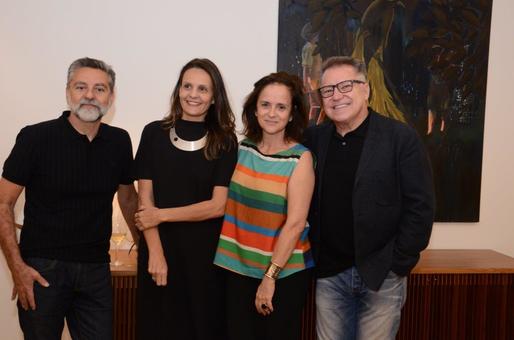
x,y
393,198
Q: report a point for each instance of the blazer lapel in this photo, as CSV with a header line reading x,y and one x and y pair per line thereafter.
x,y
371,145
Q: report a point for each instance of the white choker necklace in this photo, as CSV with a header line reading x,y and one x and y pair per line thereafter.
x,y
186,145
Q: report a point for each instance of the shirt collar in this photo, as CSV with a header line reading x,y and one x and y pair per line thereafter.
x,y
360,131
67,125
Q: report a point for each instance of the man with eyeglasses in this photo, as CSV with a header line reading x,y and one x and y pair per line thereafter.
x,y
70,169
372,209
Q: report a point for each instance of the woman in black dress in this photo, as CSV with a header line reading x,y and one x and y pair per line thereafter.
x,y
183,165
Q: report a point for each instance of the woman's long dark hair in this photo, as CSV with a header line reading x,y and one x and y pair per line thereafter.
x,y
219,120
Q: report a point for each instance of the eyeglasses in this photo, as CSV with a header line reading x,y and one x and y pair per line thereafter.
x,y
343,87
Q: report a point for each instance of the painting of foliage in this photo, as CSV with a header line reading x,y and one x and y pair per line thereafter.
x,y
427,66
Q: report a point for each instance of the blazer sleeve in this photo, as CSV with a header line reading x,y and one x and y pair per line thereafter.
x,y
417,195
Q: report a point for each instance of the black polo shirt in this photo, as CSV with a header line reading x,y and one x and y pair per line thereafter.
x,y
69,186
336,243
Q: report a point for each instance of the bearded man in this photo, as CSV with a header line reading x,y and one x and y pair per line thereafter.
x,y
70,168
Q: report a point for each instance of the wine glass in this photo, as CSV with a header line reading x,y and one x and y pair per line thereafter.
x,y
118,235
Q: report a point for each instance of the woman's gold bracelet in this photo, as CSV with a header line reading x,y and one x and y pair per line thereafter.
x,y
272,271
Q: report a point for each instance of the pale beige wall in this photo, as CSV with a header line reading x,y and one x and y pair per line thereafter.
x,y
148,44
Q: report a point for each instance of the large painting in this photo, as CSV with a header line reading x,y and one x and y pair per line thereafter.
x,y
427,66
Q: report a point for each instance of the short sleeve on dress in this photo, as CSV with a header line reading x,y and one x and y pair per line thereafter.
x,y
143,161
225,166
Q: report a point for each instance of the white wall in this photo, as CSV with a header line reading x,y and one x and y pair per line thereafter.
x,y
147,45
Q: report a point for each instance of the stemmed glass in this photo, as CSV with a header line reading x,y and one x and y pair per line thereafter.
x,y
118,235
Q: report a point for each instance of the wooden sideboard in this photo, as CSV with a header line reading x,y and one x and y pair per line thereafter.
x,y
452,295
460,294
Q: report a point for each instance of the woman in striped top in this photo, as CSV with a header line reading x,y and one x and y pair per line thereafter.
x,y
263,241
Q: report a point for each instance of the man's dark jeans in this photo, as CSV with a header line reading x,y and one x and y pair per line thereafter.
x,y
79,292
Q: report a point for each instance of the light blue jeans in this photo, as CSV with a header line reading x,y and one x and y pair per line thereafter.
x,y
346,309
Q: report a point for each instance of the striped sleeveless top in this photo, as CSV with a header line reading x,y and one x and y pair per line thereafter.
x,y
256,210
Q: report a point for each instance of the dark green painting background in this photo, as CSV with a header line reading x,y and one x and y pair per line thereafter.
x,y
428,57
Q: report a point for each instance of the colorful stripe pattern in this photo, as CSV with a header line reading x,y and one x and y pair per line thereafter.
x,y
256,210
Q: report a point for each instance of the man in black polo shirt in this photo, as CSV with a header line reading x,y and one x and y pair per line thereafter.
x,y
371,212
70,168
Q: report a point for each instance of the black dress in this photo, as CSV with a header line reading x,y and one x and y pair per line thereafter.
x,y
191,306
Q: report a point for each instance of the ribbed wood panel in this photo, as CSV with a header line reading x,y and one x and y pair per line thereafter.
x,y
124,292
439,306
452,295
459,306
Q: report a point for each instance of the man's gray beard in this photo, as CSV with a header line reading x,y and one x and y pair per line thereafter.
x,y
91,114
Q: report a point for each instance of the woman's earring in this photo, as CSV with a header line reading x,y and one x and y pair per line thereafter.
x,y
290,119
